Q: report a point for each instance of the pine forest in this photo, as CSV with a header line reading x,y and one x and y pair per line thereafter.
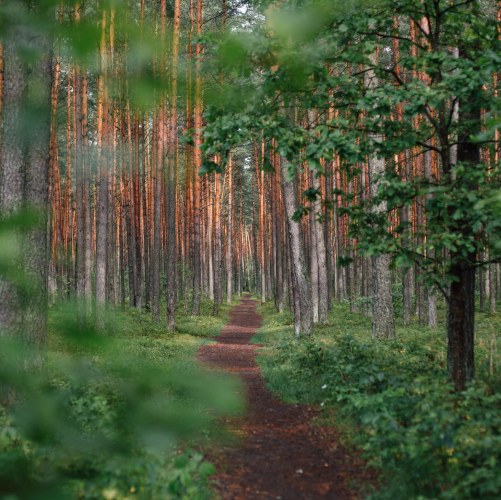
x,y
250,249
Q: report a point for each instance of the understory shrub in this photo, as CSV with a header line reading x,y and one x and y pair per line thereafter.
x,y
110,417
428,441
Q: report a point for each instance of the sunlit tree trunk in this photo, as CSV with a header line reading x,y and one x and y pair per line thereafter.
x,y
229,234
102,184
218,264
171,177
197,270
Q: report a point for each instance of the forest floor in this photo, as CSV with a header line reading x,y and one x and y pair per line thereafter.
x,y
283,451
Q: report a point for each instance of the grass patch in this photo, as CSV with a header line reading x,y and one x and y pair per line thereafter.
x,y
394,396
206,325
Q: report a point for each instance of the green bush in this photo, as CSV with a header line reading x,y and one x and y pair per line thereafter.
x,y
106,416
428,441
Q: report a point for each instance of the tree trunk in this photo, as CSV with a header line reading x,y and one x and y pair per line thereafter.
x,y
24,180
218,259
461,325
35,255
461,310
101,246
323,275
12,165
492,290
102,188
431,299
157,224
80,199
383,321
314,267
229,235
197,271
301,287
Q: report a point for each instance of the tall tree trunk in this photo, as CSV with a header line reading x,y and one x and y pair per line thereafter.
x,y
80,199
323,275
431,298
35,257
86,198
461,310
24,180
301,286
157,222
197,283
383,322
102,187
218,264
314,266
407,274
171,178
492,290
12,165
229,237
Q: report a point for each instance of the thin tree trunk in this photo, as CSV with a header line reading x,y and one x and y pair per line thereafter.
x,y
218,264
102,189
197,164
314,267
157,221
323,274
229,239
492,289
431,299
171,214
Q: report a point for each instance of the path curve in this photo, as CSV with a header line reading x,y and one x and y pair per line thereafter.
x,y
282,455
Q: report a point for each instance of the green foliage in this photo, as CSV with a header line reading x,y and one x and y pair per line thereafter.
x,y
308,56
105,417
428,441
206,325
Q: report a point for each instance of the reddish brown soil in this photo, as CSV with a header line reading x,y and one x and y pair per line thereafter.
x,y
283,454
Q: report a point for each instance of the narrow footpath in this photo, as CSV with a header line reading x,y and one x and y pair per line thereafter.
x,y
282,453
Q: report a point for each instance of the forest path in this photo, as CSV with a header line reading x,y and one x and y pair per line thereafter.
x,y
281,454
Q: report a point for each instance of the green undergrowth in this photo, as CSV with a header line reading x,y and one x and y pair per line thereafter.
x,y
111,416
393,401
206,325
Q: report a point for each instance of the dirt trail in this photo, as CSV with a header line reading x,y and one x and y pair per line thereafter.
x,y
282,455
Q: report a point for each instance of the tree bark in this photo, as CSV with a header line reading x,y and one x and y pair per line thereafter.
x,y
218,259
323,275
35,257
24,182
12,165
197,271
461,310
171,178
383,322
229,235
102,187
301,286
